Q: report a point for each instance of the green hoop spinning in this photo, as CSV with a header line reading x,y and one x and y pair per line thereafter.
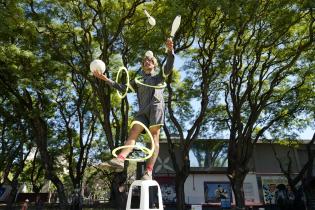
x,y
147,151
122,68
127,83
163,85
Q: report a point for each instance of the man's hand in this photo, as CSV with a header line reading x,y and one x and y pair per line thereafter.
x,y
169,45
99,75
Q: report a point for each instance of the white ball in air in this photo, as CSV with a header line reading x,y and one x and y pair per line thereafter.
x,y
97,65
149,54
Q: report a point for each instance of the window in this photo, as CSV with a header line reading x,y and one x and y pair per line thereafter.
x,y
209,153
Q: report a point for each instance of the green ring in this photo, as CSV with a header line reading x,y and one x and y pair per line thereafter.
x,y
127,84
152,86
142,148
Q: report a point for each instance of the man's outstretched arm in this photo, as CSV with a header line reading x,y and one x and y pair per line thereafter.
x,y
117,86
170,57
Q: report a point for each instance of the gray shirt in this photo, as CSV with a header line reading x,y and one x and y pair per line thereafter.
x,y
149,95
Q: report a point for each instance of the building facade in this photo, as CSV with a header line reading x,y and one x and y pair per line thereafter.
x,y
208,183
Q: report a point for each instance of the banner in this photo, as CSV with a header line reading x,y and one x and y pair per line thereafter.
x,y
269,187
215,191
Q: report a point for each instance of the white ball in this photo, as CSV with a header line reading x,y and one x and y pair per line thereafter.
x,y
97,65
149,54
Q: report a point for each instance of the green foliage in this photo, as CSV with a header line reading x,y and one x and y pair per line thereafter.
x,y
292,143
253,59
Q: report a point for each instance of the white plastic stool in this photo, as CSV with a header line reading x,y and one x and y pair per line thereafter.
x,y
144,195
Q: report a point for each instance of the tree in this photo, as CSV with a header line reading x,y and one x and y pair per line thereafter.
x,y
78,32
262,55
304,175
286,129
77,127
250,52
204,37
15,148
27,83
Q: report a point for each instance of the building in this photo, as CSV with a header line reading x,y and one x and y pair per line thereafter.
x,y
207,183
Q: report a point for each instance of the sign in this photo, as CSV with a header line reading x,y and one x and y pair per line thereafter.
x,y
196,207
216,191
269,187
249,192
225,203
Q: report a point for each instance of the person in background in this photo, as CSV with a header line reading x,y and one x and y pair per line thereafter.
x,y
25,205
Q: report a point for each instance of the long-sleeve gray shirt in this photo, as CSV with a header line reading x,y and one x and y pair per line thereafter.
x,y
149,95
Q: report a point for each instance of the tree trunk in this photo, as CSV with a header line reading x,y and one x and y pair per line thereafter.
x,y
11,197
237,185
77,200
60,190
180,192
118,192
239,155
39,127
180,186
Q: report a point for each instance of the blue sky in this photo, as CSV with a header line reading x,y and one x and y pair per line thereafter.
x,y
307,134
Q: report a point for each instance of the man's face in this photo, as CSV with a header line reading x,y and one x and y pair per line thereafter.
x,y
148,64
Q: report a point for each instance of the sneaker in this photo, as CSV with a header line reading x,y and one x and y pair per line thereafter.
x,y
147,176
115,164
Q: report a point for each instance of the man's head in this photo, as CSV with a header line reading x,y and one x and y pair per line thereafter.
x,y
149,62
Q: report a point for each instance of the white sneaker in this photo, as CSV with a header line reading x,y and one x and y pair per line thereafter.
x,y
147,175
115,164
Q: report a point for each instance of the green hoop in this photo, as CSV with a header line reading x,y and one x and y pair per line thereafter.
x,y
147,151
127,84
163,85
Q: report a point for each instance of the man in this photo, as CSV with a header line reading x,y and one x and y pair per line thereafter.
x,y
151,106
